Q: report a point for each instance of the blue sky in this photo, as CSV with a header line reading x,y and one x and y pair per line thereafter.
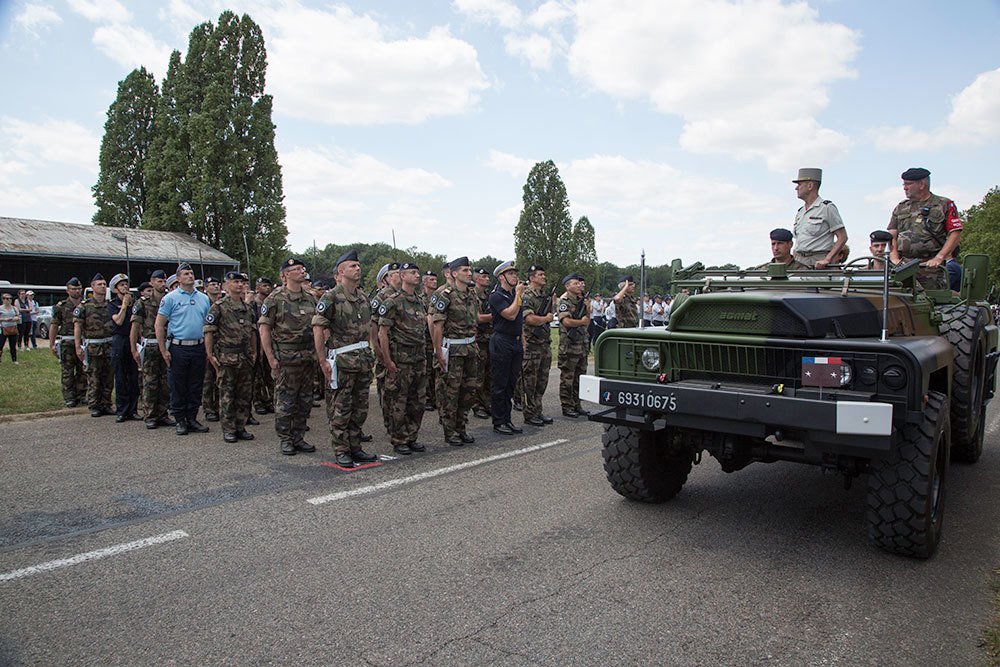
x,y
677,125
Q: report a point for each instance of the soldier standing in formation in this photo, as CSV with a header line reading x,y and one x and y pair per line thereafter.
x,y
342,342
263,381
142,338
429,284
286,338
506,346
484,331
453,314
231,349
626,312
125,369
538,347
401,325
210,388
924,226
573,312
388,284
61,342
92,333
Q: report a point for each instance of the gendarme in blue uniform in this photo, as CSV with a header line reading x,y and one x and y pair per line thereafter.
x,y
185,312
506,355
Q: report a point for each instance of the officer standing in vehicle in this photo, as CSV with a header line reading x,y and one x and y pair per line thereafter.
x,y
880,242
92,328
484,330
125,369
61,342
142,339
286,335
343,346
819,230
506,345
538,315
231,349
573,312
210,388
924,226
781,252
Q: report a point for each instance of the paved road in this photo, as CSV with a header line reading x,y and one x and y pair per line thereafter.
x,y
525,559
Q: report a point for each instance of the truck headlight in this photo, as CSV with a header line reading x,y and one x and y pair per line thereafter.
x,y
846,374
651,359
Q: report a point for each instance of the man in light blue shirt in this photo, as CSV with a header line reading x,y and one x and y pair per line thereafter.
x,y
179,323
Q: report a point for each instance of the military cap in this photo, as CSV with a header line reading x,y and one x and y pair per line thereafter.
x,y
572,276
199,283
535,267
429,273
658,296
144,285
627,278
159,273
809,174
116,279
503,267
212,279
97,276
880,236
480,270
184,266
382,273
264,280
349,256
74,282
781,234
235,275
446,266
406,266
292,261
915,174
172,280
459,263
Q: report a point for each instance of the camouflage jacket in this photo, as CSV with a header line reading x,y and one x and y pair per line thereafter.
x,y
920,236
289,314
626,312
231,325
380,296
572,340
96,324
406,319
62,318
535,302
348,318
483,329
458,312
144,314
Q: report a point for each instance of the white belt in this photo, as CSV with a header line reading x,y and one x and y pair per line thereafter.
x,y
350,348
148,341
460,341
96,341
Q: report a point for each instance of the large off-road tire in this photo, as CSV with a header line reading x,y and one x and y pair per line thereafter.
x,y
641,466
965,330
906,491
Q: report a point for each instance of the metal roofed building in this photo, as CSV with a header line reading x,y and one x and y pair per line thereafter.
x,y
43,252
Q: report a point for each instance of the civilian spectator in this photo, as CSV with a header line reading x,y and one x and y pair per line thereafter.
x,y
10,320
24,326
33,310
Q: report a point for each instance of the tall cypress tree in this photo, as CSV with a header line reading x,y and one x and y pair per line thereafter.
x,y
586,252
121,192
544,232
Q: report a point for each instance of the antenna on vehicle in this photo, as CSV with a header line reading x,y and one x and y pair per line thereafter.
x,y
885,302
642,289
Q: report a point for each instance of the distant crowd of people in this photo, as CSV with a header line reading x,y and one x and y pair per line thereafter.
x,y
19,321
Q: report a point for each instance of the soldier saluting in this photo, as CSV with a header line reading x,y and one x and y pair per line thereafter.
x,y
537,351
61,342
92,329
231,350
573,312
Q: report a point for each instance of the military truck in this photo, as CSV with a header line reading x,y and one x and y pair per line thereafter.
x,y
854,370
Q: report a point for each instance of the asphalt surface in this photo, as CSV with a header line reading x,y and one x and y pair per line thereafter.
x,y
528,559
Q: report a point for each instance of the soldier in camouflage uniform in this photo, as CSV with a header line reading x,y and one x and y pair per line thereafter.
x,y
537,312
388,282
781,252
286,338
155,390
342,343
626,311
74,379
926,227
231,348
402,321
92,333
210,389
263,381
484,330
573,311
453,312
429,285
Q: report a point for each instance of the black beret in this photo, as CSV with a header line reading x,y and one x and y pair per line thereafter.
x,y
292,261
535,267
73,282
428,272
446,266
235,275
572,276
880,236
394,266
349,256
781,234
915,174
480,270
406,266
97,276
159,273
213,279
144,285
458,263
184,267
626,279
264,280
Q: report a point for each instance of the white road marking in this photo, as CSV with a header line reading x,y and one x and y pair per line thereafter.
x,y
319,500
93,555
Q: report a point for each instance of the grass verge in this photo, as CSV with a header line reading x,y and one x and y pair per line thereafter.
x,y
991,634
33,385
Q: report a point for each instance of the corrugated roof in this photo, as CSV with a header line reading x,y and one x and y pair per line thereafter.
x,y
64,239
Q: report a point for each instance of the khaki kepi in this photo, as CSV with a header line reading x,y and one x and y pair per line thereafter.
x,y
809,174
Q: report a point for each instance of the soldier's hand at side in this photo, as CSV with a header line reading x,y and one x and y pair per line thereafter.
x,y
166,358
327,369
390,367
54,352
442,361
212,359
273,363
135,355
79,352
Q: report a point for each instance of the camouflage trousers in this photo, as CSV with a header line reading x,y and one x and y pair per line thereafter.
x,y
571,367
456,391
74,378
535,377
292,400
319,384
432,374
484,376
263,384
210,390
347,409
935,278
405,395
100,378
155,390
235,382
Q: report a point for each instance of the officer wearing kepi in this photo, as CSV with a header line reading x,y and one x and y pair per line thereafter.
x,y
155,391
537,314
506,346
125,369
92,328
231,348
819,230
924,226
286,335
61,342
210,388
342,343
573,312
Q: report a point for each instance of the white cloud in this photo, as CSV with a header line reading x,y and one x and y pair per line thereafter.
x,y
101,11
505,14
9,169
312,171
337,67
534,48
754,72
58,141
70,196
35,17
550,13
131,47
974,120
517,167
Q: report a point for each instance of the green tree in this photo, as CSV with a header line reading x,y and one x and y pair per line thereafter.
x,y
121,191
544,232
981,231
586,254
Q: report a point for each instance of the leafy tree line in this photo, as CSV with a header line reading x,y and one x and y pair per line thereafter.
x,y
981,231
196,155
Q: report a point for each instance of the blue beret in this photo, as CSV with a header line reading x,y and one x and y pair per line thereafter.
x,y
459,263
572,276
159,273
406,266
97,276
213,279
781,234
74,282
292,261
535,267
349,256
915,174
264,280
235,275
184,266
429,273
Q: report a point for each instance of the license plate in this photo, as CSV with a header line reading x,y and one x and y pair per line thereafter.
x,y
645,399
